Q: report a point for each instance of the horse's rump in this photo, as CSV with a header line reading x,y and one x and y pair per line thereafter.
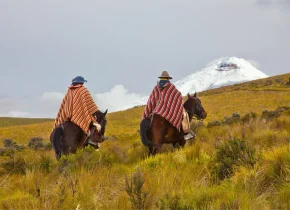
x,y
144,127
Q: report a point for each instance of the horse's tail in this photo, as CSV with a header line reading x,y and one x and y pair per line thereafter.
x,y
144,126
55,139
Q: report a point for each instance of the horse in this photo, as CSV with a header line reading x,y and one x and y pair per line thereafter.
x,y
156,131
68,137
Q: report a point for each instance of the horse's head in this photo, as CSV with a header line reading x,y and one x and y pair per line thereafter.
x,y
194,108
101,119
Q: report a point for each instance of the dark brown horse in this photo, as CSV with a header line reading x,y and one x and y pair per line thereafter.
x,y
68,137
157,131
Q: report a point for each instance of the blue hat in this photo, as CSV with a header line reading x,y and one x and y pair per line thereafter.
x,y
78,79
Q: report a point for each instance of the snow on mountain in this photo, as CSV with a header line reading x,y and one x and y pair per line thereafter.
x,y
220,72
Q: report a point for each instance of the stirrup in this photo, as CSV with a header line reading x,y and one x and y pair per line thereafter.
x,y
189,136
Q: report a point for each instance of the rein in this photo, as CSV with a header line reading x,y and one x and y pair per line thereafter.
x,y
194,116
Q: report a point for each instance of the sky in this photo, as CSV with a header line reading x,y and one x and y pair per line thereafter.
x,y
121,47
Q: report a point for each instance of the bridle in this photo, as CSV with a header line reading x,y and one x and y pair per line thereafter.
x,y
193,115
103,124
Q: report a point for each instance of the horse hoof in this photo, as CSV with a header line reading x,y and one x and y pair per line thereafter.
x,y
58,155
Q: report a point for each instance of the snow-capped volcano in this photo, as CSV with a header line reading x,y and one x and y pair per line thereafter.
x,y
221,72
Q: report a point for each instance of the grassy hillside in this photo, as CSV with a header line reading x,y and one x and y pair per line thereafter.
x,y
234,163
9,121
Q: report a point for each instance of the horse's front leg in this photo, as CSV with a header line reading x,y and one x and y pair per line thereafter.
x,y
150,151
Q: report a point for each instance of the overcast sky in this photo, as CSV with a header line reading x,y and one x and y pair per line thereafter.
x,y
121,47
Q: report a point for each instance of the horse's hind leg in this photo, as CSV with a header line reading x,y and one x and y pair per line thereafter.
x,y
150,151
56,141
153,150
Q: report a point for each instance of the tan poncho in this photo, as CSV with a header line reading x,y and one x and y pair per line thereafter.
x,y
77,107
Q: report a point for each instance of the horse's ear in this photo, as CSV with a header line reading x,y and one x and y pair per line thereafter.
x,y
194,95
188,95
105,112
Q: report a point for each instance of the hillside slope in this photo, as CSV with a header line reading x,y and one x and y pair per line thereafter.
x,y
9,121
253,96
232,164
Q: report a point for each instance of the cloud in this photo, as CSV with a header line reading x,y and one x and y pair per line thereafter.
x,y
273,2
52,96
48,103
18,114
15,113
52,99
116,99
282,5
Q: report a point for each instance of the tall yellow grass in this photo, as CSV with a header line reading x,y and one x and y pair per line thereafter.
x,y
174,179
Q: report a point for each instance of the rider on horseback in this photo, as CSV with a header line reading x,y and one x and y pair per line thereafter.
x,y
79,107
166,101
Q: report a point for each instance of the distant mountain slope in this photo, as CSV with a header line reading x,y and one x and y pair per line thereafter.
x,y
9,121
221,72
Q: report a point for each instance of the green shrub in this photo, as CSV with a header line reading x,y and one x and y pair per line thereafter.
x,y
214,123
269,115
10,144
15,165
134,188
36,143
288,82
87,158
7,152
229,155
171,202
233,119
248,117
46,163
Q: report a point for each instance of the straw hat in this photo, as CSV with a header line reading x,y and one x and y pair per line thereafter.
x,y
165,75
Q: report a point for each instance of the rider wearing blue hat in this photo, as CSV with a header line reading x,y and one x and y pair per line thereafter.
x,y
78,107
78,80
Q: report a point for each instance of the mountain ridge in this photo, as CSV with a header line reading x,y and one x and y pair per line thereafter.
x,y
220,72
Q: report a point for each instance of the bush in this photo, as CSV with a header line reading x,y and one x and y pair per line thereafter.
x,y
288,82
282,108
87,158
233,119
214,123
10,144
171,202
134,189
36,143
248,117
229,155
46,163
7,152
269,115
15,165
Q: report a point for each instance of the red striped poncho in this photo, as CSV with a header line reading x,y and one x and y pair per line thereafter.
x,y
78,107
166,102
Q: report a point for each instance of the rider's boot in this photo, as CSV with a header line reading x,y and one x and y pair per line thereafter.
x,y
189,135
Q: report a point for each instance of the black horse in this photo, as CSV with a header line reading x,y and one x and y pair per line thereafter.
x,y
68,137
157,131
